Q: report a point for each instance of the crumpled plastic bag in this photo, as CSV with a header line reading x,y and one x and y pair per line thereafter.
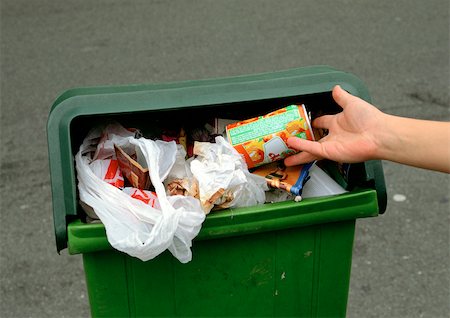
x,y
223,178
132,226
180,179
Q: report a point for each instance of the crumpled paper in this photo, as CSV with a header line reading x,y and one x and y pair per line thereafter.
x,y
223,178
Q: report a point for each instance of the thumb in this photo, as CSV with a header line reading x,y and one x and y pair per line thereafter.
x,y
342,97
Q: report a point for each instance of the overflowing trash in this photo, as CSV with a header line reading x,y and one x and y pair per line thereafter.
x,y
138,228
154,195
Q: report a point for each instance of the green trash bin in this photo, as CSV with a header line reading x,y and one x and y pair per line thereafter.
x,y
280,259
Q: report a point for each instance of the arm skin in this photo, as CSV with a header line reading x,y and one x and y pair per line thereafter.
x,y
361,132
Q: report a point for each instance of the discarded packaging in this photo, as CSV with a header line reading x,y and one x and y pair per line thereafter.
x,y
263,139
134,172
291,179
223,178
148,197
144,223
109,171
183,187
317,184
140,229
320,184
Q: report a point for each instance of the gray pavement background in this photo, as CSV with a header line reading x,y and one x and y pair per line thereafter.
x,y
400,49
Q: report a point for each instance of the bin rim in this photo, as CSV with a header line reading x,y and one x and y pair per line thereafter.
x,y
361,203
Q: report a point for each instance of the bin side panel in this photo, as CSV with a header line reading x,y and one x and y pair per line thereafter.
x,y
152,285
301,272
106,281
332,271
231,276
266,274
294,276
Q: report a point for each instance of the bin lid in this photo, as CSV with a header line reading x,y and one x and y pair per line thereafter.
x,y
109,100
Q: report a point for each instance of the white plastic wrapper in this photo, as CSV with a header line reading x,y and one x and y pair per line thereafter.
x,y
148,197
108,170
219,166
320,184
99,141
180,169
133,226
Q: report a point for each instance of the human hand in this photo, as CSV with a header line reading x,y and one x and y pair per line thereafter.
x,y
351,133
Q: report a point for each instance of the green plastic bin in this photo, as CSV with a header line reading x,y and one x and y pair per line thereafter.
x,y
280,259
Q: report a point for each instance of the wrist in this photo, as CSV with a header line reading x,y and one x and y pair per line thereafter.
x,y
387,138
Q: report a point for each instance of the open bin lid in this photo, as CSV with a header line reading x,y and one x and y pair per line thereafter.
x,y
134,98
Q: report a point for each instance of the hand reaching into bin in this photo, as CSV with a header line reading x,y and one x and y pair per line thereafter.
x,y
362,132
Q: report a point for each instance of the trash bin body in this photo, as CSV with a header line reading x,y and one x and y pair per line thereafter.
x,y
292,272
280,259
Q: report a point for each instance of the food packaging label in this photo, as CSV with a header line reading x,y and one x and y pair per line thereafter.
x,y
278,176
132,170
263,139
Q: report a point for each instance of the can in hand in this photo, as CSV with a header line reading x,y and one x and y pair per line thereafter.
x,y
263,139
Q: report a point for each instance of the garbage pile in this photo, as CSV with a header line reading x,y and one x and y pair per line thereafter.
x,y
153,195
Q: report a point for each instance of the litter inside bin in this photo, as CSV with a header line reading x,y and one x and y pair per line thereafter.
x,y
109,171
224,180
291,179
297,182
153,195
133,171
320,184
133,226
148,197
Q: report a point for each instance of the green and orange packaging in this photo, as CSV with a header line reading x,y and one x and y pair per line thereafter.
x,y
263,139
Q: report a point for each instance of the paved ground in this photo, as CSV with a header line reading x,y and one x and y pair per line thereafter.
x,y
399,48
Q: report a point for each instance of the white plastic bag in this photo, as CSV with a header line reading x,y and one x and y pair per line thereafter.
x,y
131,225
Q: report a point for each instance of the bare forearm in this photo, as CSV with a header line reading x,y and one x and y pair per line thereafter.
x,y
419,143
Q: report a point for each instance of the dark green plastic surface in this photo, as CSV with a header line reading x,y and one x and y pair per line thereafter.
x,y
281,259
243,221
288,273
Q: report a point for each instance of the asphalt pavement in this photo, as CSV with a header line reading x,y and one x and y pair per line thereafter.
x,y
400,49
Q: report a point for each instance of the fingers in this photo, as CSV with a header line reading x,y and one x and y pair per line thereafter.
x,y
300,158
342,97
312,147
323,121
311,150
